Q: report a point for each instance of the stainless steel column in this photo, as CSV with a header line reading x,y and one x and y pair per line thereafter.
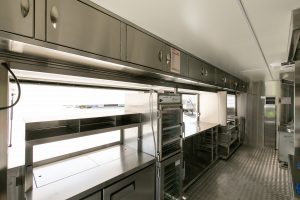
x,y
297,108
4,123
270,122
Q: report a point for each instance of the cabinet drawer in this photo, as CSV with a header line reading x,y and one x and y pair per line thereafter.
x,y
74,24
143,49
16,16
135,187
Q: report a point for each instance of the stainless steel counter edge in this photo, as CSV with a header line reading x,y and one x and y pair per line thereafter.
x,y
142,161
294,176
198,127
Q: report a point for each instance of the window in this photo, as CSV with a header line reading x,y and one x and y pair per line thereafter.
x,y
45,102
190,107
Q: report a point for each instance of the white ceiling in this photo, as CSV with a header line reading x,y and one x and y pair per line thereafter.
x,y
217,31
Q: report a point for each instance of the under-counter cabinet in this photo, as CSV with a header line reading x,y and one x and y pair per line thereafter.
x,y
94,196
16,16
135,187
143,49
200,150
74,24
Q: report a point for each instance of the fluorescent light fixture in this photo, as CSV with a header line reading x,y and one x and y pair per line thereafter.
x,y
33,50
41,76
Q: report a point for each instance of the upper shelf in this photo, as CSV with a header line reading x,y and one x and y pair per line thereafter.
x,y
46,131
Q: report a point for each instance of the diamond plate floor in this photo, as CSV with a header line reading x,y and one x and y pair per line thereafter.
x,y
250,174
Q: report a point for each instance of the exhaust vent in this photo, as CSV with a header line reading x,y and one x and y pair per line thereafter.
x,y
294,52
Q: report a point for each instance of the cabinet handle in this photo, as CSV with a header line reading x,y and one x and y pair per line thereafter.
x,y
54,17
25,7
160,55
168,58
202,71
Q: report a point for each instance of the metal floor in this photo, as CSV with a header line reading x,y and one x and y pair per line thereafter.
x,y
250,174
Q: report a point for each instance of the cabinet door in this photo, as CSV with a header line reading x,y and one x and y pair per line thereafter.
x,y
94,196
209,74
233,82
244,86
74,24
16,16
140,185
195,68
175,61
143,49
221,78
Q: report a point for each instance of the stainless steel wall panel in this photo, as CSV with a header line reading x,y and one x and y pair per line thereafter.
x,y
77,25
297,108
16,16
143,49
4,124
254,117
15,187
270,127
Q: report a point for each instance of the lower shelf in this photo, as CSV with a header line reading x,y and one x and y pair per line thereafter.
x,y
226,151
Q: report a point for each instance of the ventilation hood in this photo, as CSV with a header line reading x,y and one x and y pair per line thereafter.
x,y
294,52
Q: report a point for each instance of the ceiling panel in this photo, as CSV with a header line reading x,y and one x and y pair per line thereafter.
x,y
271,21
216,31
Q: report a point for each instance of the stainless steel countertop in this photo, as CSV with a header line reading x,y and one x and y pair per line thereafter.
x,y
294,175
193,128
86,174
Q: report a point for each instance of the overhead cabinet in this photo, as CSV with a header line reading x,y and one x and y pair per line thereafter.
x,y
74,24
84,26
143,49
221,78
208,72
233,82
195,68
16,16
175,61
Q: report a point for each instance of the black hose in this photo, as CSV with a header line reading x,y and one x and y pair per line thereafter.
x,y
6,66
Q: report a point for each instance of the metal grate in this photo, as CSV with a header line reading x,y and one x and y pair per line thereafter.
x,y
250,174
172,182
171,148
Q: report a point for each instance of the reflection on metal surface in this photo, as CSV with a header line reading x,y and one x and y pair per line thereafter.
x,y
297,108
270,122
4,121
250,174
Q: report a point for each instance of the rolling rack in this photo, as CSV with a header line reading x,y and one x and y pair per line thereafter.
x,y
229,138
